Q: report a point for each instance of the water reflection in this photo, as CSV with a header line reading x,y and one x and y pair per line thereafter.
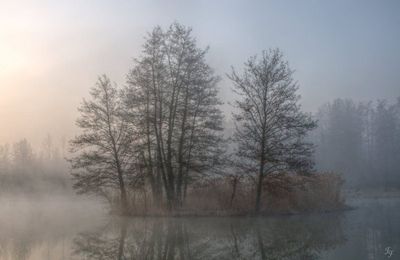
x,y
39,231
213,238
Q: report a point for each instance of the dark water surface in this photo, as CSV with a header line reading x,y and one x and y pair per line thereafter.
x,y
58,228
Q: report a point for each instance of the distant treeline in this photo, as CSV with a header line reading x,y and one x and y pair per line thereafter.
x,y
361,140
24,169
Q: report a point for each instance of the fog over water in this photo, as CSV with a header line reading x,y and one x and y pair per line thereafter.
x,y
335,158
79,229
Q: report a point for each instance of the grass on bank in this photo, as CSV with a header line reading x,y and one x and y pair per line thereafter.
x,y
283,193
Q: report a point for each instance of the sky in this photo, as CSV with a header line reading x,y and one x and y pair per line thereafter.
x,y
51,52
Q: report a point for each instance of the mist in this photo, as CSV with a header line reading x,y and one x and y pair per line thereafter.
x,y
51,54
199,130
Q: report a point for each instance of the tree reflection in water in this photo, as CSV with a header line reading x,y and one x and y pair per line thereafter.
x,y
213,238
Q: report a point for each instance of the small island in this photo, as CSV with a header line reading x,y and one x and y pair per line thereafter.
x,y
157,146
268,130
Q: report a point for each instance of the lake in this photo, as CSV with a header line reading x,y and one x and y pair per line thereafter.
x,y
77,228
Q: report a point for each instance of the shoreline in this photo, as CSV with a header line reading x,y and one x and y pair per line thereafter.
x,y
371,194
225,214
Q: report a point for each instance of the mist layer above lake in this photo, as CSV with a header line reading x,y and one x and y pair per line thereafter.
x,y
76,228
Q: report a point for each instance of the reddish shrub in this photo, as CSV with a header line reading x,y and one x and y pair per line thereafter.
x,y
286,192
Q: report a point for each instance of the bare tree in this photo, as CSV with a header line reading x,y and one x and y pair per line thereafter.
x,y
340,138
270,127
4,159
104,156
22,153
361,140
172,98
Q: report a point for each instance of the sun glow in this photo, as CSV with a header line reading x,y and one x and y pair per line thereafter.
x,y
11,61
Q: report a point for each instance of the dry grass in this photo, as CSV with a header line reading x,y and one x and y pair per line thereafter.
x,y
291,193
283,193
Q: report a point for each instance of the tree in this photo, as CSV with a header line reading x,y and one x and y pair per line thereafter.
x,y
23,159
360,140
4,159
386,146
22,153
340,137
172,98
105,158
270,127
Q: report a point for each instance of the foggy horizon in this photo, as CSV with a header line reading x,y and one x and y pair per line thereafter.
x,y
199,129
51,54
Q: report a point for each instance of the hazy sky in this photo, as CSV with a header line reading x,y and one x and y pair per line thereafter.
x,y
52,51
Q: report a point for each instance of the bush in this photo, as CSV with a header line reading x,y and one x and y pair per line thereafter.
x,y
288,193
283,193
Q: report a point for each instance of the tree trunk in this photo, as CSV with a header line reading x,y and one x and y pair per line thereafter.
x,y
260,178
122,241
180,151
259,189
124,200
234,185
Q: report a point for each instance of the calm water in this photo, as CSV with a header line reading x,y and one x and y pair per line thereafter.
x,y
58,228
